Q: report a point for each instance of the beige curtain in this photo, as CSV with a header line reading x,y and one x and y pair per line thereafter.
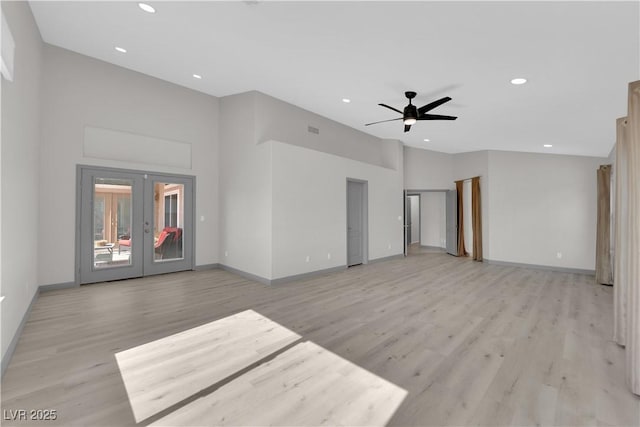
x,y
633,303
476,218
604,272
461,248
621,252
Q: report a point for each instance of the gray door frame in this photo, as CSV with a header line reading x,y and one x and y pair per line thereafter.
x,y
406,220
365,219
189,248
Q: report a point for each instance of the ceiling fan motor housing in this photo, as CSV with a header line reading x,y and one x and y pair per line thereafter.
x,y
410,112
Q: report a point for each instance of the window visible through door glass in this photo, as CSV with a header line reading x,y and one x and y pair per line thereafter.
x,y
112,223
168,219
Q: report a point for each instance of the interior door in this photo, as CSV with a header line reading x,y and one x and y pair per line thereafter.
x,y
355,215
452,222
110,212
168,224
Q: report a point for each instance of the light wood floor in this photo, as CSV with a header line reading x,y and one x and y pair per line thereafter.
x,y
473,344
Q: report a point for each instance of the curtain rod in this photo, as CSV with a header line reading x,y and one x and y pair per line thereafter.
x,y
468,179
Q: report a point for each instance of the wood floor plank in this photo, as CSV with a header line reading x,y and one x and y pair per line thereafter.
x,y
551,331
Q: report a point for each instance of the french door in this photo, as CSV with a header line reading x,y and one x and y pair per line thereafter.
x,y
133,224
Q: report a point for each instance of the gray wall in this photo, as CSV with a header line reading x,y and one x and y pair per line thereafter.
x,y
79,91
20,171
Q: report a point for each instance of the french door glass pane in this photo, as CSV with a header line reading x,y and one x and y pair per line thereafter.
x,y
168,220
112,222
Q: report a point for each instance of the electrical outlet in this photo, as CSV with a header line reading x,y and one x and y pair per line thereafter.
x,y
389,246
559,255
329,255
226,253
308,258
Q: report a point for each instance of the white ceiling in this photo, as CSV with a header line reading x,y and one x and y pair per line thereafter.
x,y
578,57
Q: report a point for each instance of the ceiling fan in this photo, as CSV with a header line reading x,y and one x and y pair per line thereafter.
x,y
412,114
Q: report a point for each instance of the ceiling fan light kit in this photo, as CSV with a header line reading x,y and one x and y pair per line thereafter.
x,y
412,114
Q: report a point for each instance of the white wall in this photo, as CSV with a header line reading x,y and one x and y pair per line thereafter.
x,y
427,170
79,91
433,211
541,204
19,171
245,188
415,218
310,209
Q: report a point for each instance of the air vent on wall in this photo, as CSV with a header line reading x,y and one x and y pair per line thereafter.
x,y
311,129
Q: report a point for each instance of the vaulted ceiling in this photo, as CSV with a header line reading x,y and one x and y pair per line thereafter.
x,y
577,57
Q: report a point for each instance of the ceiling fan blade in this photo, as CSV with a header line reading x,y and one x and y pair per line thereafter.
x,y
382,121
435,117
407,128
391,108
433,105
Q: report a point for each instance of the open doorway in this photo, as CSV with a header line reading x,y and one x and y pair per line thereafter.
x,y
412,222
425,221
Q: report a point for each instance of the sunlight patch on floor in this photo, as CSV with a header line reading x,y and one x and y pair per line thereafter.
x,y
164,372
304,385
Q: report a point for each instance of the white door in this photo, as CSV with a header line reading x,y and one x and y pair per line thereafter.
x,y
355,222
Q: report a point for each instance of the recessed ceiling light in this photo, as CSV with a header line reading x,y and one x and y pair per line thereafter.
x,y
426,140
518,81
547,145
197,76
146,7
121,49
346,100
